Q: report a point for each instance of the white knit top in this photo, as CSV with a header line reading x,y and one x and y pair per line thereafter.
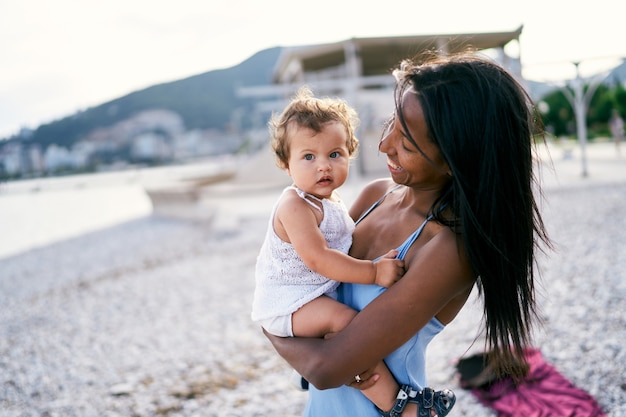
x,y
283,282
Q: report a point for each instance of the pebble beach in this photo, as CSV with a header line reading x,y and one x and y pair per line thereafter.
x,y
151,317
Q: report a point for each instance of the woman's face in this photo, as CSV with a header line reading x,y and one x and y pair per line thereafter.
x,y
405,162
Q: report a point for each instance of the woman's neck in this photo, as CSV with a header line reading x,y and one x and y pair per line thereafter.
x,y
418,201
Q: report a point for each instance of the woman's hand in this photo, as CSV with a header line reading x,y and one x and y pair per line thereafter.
x,y
364,380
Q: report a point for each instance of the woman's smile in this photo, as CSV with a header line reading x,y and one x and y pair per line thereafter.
x,y
393,167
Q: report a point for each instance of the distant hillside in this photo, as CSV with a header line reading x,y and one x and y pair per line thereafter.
x,y
618,74
538,90
203,101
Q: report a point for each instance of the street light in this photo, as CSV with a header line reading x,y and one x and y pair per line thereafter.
x,y
579,102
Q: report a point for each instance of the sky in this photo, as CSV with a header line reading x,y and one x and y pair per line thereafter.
x,y
59,57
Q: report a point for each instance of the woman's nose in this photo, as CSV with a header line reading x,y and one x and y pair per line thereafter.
x,y
383,145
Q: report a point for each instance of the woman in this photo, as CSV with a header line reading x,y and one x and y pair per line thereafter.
x,y
459,151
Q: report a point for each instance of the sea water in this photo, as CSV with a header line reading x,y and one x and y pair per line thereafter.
x,y
34,213
39,212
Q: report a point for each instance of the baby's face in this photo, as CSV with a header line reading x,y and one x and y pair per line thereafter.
x,y
319,162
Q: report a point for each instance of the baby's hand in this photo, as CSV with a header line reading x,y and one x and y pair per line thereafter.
x,y
389,269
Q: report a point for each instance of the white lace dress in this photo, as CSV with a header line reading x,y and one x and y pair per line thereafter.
x,y
283,282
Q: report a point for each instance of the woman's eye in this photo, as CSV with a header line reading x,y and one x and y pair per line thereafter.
x,y
334,154
407,145
309,157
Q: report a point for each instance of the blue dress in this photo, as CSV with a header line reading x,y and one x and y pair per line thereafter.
x,y
407,363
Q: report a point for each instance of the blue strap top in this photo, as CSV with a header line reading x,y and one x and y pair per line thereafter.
x,y
406,245
407,363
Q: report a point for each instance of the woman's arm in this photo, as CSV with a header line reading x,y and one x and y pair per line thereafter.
x,y
437,275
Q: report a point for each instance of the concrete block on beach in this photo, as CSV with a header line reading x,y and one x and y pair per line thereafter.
x,y
183,198
255,173
198,198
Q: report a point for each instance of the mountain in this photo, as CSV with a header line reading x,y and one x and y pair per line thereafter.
x,y
618,74
538,89
204,101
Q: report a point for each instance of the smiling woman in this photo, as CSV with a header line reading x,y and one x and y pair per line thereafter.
x,y
447,210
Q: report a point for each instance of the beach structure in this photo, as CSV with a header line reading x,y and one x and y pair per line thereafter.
x,y
356,69
359,70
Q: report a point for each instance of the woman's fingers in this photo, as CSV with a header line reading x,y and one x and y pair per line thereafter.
x,y
364,380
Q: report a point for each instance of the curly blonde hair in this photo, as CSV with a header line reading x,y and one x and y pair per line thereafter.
x,y
311,112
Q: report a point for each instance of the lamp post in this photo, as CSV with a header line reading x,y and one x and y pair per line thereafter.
x,y
580,107
578,101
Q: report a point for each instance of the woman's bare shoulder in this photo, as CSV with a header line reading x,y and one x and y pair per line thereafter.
x,y
442,258
371,193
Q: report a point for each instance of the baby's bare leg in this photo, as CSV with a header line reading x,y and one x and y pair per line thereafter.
x,y
320,317
384,392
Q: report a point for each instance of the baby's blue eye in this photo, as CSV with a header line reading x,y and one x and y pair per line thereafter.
x,y
334,154
309,157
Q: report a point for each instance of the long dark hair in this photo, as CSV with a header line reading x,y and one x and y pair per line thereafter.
x,y
485,125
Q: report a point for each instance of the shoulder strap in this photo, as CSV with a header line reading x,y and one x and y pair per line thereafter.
x,y
376,204
307,197
406,245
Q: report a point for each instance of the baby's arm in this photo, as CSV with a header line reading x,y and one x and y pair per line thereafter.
x,y
296,221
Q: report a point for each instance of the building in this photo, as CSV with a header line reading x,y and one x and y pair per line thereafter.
x,y
359,70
